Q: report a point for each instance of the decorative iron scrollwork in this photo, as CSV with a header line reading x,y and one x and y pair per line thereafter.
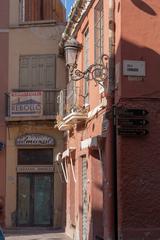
x,y
97,72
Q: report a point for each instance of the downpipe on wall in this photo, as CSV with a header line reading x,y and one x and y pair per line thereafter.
x,y
110,168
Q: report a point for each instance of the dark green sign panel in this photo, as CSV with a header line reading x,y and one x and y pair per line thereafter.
x,y
132,132
132,122
132,112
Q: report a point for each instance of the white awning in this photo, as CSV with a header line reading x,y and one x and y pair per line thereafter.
x,y
66,156
90,142
67,152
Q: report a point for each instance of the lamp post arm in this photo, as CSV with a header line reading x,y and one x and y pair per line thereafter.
x,y
97,72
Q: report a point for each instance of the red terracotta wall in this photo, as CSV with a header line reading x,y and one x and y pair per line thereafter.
x,y
138,158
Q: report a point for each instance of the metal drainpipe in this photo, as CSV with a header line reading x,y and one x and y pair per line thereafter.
x,y
110,179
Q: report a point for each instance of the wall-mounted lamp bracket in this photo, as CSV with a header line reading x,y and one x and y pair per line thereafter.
x,y
97,72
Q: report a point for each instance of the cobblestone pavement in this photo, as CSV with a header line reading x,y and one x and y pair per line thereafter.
x,y
34,234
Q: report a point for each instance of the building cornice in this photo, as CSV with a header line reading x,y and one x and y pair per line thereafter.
x,y
78,10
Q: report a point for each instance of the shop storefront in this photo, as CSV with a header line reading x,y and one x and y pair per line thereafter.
x,y
35,196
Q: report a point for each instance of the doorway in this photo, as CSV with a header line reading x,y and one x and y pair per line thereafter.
x,y
35,199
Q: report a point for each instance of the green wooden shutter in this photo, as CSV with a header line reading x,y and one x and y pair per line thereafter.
x,y
50,66
24,82
38,72
34,72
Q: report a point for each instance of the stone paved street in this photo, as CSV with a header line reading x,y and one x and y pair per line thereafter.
x,y
34,234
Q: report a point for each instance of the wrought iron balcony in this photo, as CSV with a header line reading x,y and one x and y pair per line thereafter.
x,y
69,111
30,105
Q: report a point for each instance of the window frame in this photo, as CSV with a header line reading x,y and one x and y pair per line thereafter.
x,y
31,150
32,57
86,65
98,28
22,15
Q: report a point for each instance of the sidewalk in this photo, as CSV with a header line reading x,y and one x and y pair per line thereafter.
x,y
34,234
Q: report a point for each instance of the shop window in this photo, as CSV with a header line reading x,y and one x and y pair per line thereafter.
x,y
35,156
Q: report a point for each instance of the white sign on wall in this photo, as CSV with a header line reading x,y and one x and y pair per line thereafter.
x,y
134,68
26,104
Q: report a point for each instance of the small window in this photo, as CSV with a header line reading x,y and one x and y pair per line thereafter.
x,y
35,156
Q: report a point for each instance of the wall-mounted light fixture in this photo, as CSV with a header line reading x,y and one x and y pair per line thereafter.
x,y
97,72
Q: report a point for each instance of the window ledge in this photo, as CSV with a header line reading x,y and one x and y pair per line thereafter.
x,y
37,22
33,24
30,118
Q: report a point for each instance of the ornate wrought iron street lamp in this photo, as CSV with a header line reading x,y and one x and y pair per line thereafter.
x,y
97,72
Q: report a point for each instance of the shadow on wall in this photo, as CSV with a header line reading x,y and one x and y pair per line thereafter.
x,y
95,231
146,86
138,158
144,7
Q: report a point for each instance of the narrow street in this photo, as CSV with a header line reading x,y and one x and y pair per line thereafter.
x,y
34,234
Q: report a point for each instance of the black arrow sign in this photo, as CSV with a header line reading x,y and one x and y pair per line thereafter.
x,y
132,122
132,132
131,112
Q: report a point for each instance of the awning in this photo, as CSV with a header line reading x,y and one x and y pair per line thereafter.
x,y
94,142
67,152
62,160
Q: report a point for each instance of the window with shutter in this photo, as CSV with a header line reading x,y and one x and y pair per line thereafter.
x,y
41,10
37,72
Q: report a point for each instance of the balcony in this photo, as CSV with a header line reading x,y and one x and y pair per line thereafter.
x,y
70,112
31,105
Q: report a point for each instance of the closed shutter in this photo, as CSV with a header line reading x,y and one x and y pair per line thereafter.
x,y
38,72
50,71
24,73
48,9
34,72
38,10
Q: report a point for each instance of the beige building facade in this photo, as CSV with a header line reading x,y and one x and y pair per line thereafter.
x,y
34,188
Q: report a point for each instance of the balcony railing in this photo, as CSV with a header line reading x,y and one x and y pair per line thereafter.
x,y
71,96
70,112
24,103
62,103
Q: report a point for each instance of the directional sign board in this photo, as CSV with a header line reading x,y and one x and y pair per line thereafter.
x,y
132,132
132,122
132,112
